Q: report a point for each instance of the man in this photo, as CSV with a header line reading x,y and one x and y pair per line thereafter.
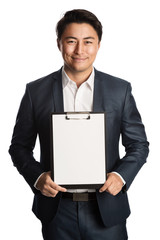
x,y
80,87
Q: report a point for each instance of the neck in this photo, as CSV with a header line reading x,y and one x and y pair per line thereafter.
x,y
78,77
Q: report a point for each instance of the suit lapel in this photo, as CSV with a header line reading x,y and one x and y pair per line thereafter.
x,y
58,92
98,93
103,98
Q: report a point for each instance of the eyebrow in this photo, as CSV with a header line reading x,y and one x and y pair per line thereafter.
x,y
76,38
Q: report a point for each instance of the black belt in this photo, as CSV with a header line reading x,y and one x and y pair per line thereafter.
x,y
76,197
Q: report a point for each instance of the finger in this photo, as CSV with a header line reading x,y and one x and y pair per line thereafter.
x,y
49,192
105,186
57,187
53,185
52,189
52,192
113,190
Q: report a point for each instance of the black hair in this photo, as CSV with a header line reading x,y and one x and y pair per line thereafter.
x,y
79,16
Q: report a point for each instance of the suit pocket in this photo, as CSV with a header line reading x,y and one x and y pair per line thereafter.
x,y
45,208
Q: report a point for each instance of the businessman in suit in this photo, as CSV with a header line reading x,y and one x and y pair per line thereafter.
x,y
77,86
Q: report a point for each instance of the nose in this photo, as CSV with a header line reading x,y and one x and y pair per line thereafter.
x,y
79,48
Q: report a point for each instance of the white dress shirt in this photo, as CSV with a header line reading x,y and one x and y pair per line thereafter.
x,y
78,100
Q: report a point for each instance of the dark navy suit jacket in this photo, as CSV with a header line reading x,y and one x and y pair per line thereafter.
x,y
112,95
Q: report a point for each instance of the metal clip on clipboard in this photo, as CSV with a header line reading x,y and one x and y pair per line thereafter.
x,y
78,116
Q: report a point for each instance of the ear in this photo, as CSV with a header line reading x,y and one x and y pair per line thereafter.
x,y
58,44
99,44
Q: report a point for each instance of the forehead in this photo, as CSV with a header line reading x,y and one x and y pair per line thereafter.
x,y
79,30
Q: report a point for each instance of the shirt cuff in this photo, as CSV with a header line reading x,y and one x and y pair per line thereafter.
x,y
124,182
37,181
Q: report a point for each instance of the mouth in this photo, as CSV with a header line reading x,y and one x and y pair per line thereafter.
x,y
79,59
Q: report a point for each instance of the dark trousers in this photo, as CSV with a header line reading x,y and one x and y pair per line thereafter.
x,y
81,221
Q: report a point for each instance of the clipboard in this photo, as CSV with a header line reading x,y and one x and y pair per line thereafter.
x,y
78,149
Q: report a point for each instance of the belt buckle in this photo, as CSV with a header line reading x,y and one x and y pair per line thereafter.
x,y
83,197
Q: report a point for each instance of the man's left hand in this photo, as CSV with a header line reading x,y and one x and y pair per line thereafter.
x,y
113,184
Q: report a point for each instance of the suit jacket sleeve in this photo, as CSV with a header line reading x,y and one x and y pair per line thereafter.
x,y
23,142
134,140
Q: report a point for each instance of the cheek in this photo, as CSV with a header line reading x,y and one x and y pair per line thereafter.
x,y
67,50
92,52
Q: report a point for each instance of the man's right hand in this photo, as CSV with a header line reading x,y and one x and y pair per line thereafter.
x,y
47,187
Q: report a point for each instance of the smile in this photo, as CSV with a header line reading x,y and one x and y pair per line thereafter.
x,y
77,59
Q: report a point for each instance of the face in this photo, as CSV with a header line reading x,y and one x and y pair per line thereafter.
x,y
79,45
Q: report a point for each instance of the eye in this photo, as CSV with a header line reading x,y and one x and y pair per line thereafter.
x,y
88,42
71,42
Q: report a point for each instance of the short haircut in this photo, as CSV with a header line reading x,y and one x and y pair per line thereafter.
x,y
79,16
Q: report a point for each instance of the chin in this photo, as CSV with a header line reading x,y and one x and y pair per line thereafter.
x,y
80,68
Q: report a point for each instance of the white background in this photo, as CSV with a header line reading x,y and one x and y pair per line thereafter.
x,y
130,49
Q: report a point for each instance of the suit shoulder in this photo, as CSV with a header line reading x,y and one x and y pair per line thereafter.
x,y
109,79
41,82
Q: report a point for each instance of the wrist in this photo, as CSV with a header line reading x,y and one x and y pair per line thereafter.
x,y
36,182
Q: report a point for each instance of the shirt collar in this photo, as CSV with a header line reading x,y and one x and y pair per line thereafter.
x,y
66,80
